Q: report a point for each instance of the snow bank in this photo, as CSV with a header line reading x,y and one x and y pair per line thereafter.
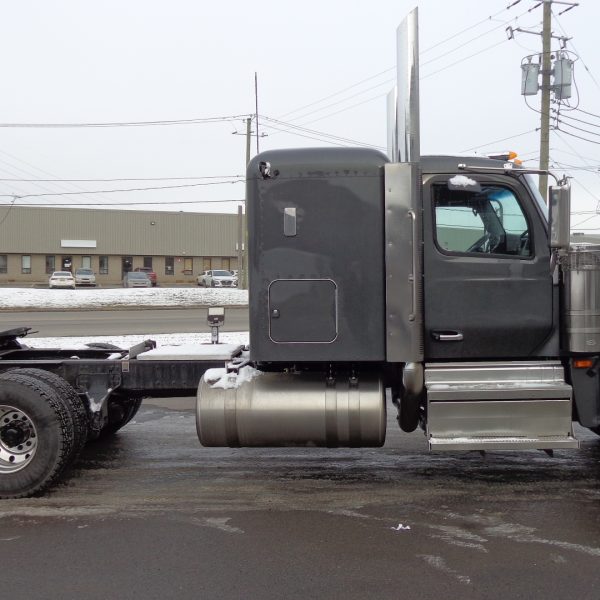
x,y
98,299
177,342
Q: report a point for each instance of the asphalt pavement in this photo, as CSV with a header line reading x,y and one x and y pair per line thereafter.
x,y
121,322
151,514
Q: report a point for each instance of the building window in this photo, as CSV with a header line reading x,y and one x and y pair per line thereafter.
x,y
169,265
187,266
103,265
206,266
50,262
147,262
86,262
3,263
226,263
26,264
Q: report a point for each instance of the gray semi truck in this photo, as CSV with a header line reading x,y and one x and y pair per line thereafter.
x,y
444,283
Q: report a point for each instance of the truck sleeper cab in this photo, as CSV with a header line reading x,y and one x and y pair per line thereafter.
x,y
437,282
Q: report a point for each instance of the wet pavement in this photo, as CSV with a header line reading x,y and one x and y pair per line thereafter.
x,y
151,514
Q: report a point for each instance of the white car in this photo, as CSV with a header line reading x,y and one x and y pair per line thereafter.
x,y
61,279
217,278
85,277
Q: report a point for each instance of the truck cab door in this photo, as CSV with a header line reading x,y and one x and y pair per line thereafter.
x,y
488,291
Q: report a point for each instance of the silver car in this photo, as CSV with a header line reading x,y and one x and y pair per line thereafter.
x,y
85,277
136,279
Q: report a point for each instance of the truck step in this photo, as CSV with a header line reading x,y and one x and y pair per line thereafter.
x,y
502,443
498,406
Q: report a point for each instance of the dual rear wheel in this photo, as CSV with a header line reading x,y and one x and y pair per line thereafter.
x,y
44,425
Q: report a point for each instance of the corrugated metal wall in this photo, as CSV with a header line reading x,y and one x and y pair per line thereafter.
x,y
40,230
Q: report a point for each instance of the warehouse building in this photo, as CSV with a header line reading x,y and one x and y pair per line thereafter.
x,y
35,241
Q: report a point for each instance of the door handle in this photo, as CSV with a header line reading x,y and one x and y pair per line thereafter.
x,y
447,336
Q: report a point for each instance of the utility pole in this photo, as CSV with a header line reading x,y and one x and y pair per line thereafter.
x,y
545,102
243,274
561,70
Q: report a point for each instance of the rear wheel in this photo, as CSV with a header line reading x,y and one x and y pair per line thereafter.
x,y
36,435
70,398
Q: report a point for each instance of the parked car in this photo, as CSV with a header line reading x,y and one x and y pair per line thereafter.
x,y
61,279
214,278
151,274
85,277
136,279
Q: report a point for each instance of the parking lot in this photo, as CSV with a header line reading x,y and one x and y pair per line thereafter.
x,y
152,514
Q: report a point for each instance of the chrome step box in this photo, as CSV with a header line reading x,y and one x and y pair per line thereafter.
x,y
498,406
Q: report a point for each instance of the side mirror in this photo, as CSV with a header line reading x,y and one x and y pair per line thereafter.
x,y
560,216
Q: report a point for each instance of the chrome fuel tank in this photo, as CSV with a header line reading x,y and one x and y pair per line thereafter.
x,y
581,300
287,409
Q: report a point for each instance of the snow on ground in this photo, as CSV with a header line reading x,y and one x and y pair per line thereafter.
x,y
163,340
98,299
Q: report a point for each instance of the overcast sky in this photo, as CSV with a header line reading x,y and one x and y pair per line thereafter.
x,y
324,68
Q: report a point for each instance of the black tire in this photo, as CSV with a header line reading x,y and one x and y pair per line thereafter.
x,y
44,423
69,396
120,411
212,284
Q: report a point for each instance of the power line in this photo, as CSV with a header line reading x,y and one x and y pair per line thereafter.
x,y
575,127
588,113
338,93
141,203
498,141
567,116
196,121
332,95
575,49
141,189
292,126
463,59
579,137
20,160
129,179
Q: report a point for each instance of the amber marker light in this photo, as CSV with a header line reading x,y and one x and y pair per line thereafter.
x,y
583,363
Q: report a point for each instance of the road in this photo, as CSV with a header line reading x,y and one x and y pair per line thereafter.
x,y
121,322
150,514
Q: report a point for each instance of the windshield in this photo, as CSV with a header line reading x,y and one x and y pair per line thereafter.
x,y
85,272
61,274
222,273
137,275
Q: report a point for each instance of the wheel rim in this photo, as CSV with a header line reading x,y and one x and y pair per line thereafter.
x,y
18,439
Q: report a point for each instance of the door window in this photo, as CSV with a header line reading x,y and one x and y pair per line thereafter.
x,y
169,265
50,265
488,220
